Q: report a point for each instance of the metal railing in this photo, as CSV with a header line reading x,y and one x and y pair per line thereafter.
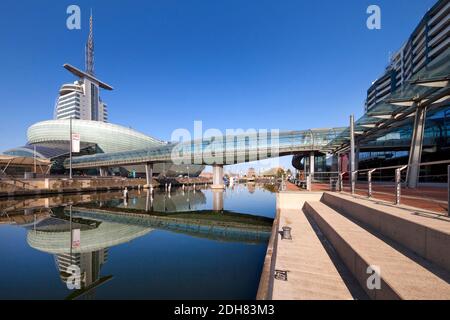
x,y
398,171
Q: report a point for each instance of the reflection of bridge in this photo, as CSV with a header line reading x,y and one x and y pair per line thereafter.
x,y
223,227
101,229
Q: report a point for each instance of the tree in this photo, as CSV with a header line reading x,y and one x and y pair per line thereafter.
x,y
280,173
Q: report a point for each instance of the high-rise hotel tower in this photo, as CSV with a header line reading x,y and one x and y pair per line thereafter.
x,y
427,42
81,99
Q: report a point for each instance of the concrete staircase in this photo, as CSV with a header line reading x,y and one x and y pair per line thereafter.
x,y
411,249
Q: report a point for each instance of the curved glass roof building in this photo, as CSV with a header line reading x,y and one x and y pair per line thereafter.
x,y
107,136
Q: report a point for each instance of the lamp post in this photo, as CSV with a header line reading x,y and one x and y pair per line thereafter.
x,y
34,159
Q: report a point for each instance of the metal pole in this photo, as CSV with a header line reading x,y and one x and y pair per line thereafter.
x,y
398,188
34,159
352,153
448,191
71,233
398,183
70,153
369,182
353,180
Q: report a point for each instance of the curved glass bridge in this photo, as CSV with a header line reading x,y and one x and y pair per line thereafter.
x,y
221,150
425,93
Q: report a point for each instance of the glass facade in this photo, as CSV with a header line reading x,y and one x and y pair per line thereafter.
x,y
108,137
230,150
94,102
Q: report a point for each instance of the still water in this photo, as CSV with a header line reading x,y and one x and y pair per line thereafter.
x,y
151,246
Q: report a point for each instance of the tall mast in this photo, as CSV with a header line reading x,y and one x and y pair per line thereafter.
x,y
90,48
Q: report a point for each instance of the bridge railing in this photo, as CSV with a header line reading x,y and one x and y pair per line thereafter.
x,y
390,184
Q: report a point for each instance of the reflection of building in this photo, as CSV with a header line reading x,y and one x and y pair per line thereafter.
x,y
80,101
251,186
177,201
251,173
53,235
90,264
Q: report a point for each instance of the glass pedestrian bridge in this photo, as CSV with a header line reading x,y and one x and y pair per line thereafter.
x,y
234,149
427,92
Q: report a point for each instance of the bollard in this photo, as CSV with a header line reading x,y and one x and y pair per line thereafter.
x,y
286,234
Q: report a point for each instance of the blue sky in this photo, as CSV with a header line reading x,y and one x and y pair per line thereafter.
x,y
230,63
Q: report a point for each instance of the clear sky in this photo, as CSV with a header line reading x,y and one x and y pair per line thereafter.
x,y
280,64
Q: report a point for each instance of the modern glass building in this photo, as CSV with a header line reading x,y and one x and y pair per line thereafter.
x,y
81,102
426,48
107,137
50,140
81,99
429,40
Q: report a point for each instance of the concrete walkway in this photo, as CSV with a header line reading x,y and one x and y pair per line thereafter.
x,y
311,273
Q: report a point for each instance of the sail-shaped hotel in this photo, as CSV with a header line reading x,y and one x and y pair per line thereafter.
x,y
81,101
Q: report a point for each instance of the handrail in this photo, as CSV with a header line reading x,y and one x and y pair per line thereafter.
x,y
399,166
397,184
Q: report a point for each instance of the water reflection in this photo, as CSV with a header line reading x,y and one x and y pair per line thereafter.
x,y
108,220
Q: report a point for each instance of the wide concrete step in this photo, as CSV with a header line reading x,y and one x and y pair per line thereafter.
x,y
424,233
311,273
401,277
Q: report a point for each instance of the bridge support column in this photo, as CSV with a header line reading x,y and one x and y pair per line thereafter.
x,y
311,164
148,201
148,175
352,154
217,177
103,172
415,151
217,199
